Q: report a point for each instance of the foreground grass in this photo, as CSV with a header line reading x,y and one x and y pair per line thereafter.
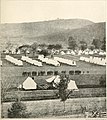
x,y
54,108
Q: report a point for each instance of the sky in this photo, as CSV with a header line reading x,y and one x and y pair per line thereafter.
x,y
19,11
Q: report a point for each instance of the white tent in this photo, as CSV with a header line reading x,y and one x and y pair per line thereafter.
x,y
31,61
49,61
91,52
57,79
72,85
62,53
40,56
65,61
91,59
80,52
50,79
86,59
103,62
29,83
82,58
86,53
72,52
18,52
101,53
14,60
0,62
94,60
20,86
95,51
6,51
68,52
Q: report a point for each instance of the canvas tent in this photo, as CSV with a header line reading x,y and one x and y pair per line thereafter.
x,y
57,79
95,60
50,79
73,53
65,61
80,52
62,53
91,52
0,62
14,60
29,60
20,86
49,61
29,83
72,85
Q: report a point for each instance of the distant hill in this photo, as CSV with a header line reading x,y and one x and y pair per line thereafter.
x,y
87,33
41,28
25,33
54,31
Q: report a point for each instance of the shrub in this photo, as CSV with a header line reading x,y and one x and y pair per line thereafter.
x,y
18,110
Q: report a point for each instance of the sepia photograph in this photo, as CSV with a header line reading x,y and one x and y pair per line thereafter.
x,y
53,59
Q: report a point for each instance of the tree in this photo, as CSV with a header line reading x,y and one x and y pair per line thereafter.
x,y
44,52
58,46
42,46
103,46
24,48
62,87
9,45
51,46
34,47
91,47
18,110
96,43
83,45
72,43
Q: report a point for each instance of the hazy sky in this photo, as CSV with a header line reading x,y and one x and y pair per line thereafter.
x,y
17,11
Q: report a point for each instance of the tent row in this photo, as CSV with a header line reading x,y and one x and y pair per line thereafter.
x,y
68,52
48,61
65,61
30,83
29,60
95,60
14,60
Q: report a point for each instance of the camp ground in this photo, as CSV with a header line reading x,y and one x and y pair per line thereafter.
x,y
85,73
54,67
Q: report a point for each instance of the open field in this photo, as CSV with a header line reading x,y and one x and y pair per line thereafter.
x,y
50,108
51,94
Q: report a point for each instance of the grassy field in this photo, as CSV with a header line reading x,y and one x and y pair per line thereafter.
x,y
51,108
91,83
51,94
12,77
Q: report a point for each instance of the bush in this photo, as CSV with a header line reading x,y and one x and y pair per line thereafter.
x,y
18,110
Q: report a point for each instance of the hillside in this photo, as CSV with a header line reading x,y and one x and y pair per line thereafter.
x,y
41,28
87,33
25,33
51,32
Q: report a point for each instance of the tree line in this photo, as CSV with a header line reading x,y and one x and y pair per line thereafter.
x,y
96,44
72,44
